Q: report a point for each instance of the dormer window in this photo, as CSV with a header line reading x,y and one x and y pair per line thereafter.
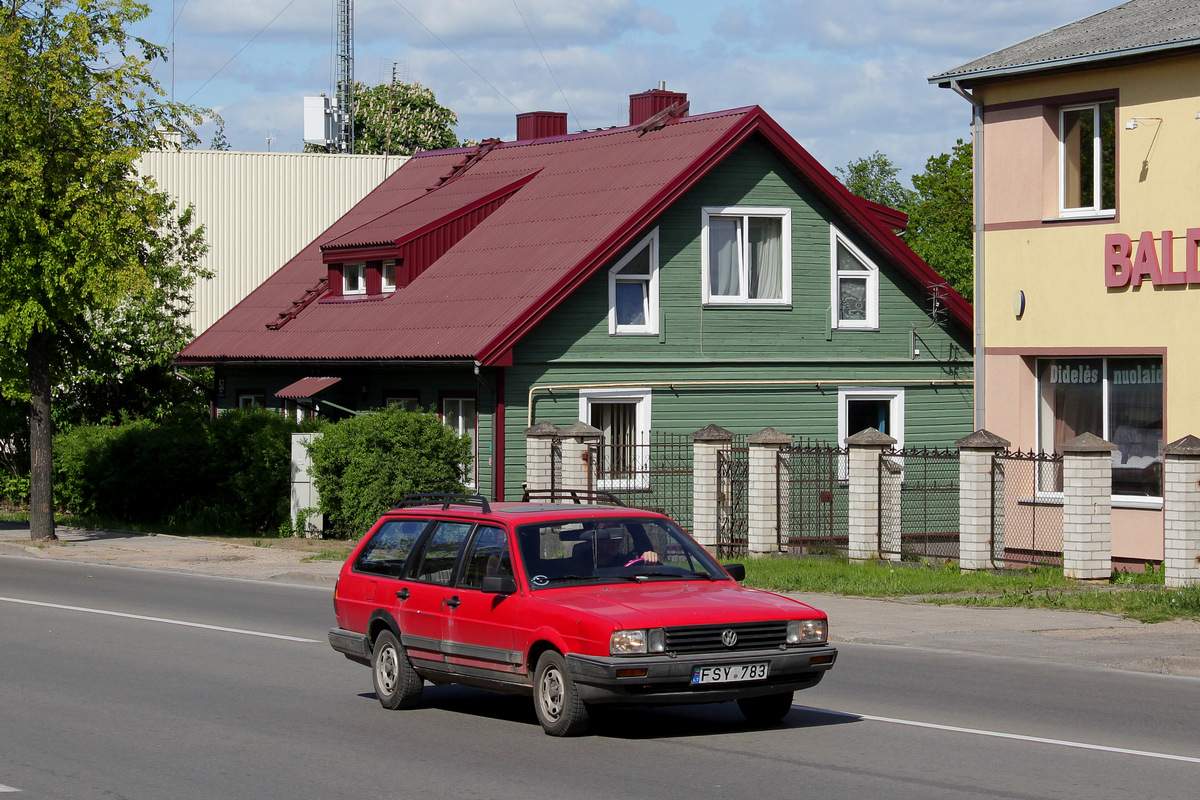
x,y
354,278
388,270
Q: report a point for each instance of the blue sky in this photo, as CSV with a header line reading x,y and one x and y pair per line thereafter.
x,y
844,77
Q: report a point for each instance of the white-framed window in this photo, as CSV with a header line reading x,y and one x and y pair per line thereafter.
x,y
1118,399
746,255
1087,157
252,401
860,408
354,278
623,415
388,275
633,290
854,285
458,414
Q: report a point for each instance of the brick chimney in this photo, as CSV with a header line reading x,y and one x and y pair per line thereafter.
x,y
650,102
540,124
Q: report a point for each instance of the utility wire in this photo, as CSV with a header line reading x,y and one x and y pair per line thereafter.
x,y
547,63
456,55
239,52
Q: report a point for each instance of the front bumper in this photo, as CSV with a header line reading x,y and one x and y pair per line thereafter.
x,y
668,679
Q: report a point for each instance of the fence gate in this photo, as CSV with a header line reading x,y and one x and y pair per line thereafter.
x,y
733,489
812,499
918,503
656,475
1027,515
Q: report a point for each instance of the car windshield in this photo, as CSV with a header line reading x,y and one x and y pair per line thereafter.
x,y
611,550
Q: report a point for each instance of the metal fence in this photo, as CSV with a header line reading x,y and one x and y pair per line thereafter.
x,y
733,490
918,503
811,498
1027,514
656,475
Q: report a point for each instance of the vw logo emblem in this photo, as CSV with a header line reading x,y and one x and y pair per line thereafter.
x,y
728,637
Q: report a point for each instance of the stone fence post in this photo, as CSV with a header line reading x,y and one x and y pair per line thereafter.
x,y
975,454
1087,507
865,449
577,465
539,456
762,511
706,443
1181,512
305,499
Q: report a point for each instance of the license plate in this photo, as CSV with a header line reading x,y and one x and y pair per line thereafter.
x,y
730,673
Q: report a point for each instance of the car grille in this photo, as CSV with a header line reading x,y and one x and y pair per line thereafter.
x,y
708,638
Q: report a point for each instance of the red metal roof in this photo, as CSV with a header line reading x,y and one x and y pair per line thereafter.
x,y
305,388
575,202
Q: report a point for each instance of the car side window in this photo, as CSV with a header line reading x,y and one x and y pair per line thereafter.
x,y
486,555
389,547
436,561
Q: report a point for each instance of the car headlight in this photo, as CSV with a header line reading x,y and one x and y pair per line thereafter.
x,y
807,631
639,642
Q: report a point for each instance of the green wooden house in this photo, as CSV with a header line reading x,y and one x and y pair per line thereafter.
x,y
681,271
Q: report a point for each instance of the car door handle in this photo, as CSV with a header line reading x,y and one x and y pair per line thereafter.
x,y
453,602
402,594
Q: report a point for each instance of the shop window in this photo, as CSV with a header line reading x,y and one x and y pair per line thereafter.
x,y
854,286
458,414
1119,400
354,278
746,255
623,417
1087,159
633,290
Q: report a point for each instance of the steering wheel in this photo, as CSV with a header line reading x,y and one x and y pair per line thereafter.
x,y
637,560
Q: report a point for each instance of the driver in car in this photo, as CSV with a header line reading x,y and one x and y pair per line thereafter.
x,y
609,553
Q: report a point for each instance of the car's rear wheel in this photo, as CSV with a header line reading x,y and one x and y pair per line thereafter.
x,y
767,709
397,685
555,698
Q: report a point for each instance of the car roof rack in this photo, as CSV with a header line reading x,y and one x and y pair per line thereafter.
x,y
577,496
446,500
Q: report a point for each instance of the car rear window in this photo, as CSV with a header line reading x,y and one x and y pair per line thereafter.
x,y
389,547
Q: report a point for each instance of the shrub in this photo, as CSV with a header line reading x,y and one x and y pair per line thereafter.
x,y
365,465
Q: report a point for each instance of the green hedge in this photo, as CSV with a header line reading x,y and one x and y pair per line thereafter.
x,y
226,475
365,465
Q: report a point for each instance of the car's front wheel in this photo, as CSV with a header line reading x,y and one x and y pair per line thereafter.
x,y
766,710
555,698
397,685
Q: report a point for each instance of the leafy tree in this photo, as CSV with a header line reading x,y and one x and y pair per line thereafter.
x,y
86,244
399,118
218,141
941,224
874,178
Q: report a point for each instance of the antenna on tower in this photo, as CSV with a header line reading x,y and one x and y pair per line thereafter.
x,y
345,61
329,121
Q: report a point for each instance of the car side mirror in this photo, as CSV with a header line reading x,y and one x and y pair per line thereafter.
x,y
499,584
736,571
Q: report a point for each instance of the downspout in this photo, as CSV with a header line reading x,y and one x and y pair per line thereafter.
x,y
978,302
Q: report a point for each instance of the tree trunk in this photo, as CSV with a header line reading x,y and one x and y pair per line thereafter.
x,y
41,447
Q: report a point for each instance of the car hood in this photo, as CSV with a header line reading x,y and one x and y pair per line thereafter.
x,y
679,603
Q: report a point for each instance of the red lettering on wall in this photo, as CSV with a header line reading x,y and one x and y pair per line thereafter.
x,y
1169,276
1117,268
1192,243
1145,263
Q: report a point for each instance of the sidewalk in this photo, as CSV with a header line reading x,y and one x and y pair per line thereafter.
x,y
1074,637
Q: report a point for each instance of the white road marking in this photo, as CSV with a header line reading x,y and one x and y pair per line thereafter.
x,y
1015,736
4,789
162,620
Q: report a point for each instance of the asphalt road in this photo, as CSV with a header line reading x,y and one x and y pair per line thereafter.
x,y
144,684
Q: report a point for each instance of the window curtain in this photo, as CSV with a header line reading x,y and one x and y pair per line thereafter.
x,y
723,256
766,258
